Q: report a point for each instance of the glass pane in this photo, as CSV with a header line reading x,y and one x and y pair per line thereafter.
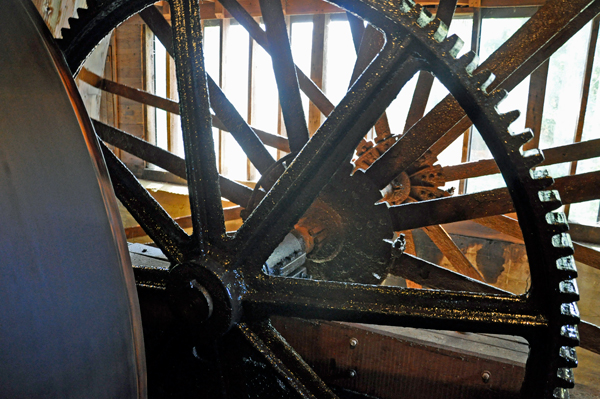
x,y
235,86
340,57
563,96
160,89
265,100
301,42
494,32
587,212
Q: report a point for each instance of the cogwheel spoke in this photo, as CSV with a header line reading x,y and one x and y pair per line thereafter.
x,y
285,74
393,306
320,159
203,177
233,191
285,360
545,32
155,221
225,111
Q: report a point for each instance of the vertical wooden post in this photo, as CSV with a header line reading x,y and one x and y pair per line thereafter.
x,y
316,68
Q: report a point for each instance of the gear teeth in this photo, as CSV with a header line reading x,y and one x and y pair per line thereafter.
x,y
566,266
469,62
406,5
541,178
565,378
570,312
508,118
561,393
563,244
567,357
550,200
557,221
422,16
452,45
569,291
532,158
516,141
438,30
484,79
570,335
497,97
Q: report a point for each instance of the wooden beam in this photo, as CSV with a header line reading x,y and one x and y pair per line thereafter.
x,y
589,335
316,68
578,188
230,213
535,104
565,153
442,240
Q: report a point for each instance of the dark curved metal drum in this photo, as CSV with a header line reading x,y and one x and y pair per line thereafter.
x,y
69,319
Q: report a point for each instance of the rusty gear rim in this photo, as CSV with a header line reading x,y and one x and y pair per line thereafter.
x,y
549,325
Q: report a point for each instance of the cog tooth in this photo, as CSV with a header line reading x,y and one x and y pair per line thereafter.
x,y
562,243
569,292
565,378
550,200
438,30
557,222
566,266
561,393
541,178
569,335
469,62
519,139
567,357
484,79
452,45
497,97
569,312
509,117
532,158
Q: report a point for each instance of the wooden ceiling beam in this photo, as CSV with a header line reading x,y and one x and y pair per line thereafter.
x,y
214,10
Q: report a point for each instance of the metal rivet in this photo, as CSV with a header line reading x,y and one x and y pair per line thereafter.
x,y
352,373
353,342
485,376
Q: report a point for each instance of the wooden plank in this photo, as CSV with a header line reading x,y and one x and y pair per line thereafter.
x,y
535,104
589,335
131,93
442,240
316,68
572,189
585,234
231,213
566,153
506,225
419,363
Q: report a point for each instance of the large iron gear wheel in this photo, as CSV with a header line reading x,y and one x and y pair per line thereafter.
x,y
227,271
